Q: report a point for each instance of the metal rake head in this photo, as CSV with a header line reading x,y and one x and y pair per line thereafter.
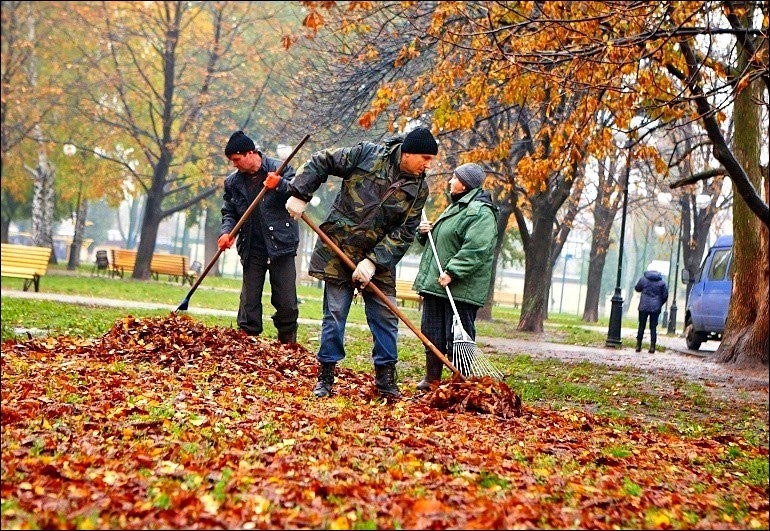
x,y
470,360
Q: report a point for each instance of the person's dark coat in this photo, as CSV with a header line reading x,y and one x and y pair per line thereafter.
x,y
278,229
654,292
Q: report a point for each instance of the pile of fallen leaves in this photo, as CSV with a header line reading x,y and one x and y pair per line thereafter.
x,y
481,395
165,423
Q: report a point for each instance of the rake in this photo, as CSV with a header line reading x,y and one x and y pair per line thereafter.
x,y
466,355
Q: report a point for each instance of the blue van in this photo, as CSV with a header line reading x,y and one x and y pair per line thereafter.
x,y
710,295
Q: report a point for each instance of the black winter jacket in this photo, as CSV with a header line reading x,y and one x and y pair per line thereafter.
x,y
279,231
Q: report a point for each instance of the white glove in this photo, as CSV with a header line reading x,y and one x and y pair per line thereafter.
x,y
425,226
296,207
364,272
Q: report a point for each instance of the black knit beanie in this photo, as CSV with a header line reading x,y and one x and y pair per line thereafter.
x,y
239,143
420,141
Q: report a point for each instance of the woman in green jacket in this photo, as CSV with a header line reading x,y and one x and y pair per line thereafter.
x,y
465,235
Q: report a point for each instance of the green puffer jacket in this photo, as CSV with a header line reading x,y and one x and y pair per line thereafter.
x,y
465,235
375,215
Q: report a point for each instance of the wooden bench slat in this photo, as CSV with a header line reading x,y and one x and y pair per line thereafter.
x,y
405,293
26,262
173,265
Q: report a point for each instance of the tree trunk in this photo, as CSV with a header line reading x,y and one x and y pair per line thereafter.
x,y
77,237
43,173
605,210
537,274
746,340
150,223
42,203
599,244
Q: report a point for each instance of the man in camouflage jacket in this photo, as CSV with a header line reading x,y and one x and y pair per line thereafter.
x,y
373,219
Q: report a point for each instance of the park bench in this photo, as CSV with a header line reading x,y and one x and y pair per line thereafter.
x,y
26,262
405,293
173,265
123,260
504,298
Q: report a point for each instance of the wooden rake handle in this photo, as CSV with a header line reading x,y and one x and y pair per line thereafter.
x,y
384,298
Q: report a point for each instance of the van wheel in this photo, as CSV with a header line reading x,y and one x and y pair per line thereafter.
x,y
691,337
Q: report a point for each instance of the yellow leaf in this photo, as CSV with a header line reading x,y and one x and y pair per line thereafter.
x,y
661,519
210,505
340,522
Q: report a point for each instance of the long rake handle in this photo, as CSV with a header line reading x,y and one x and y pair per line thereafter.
x,y
384,298
244,217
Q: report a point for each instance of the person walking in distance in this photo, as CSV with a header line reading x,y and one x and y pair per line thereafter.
x,y
465,235
267,241
654,295
373,220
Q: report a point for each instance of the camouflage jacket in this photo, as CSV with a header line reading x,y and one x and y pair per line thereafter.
x,y
375,214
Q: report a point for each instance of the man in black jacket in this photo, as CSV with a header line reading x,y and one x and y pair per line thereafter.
x,y
267,242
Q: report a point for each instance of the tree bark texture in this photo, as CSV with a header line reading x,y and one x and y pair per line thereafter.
x,y
77,237
746,340
537,272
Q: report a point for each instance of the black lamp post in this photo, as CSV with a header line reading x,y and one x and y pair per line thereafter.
x,y
672,314
616,312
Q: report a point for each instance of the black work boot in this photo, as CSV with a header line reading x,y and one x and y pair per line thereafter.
x,y
638,345
385,380
287,337
433,368
325,380
652,347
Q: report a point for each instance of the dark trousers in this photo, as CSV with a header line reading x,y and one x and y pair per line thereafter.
x,y
438,318
653,326
283,287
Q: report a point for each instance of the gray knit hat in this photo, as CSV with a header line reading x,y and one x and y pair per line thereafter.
x,y
470,174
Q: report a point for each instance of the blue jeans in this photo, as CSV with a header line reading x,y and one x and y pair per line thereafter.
x,y
382,323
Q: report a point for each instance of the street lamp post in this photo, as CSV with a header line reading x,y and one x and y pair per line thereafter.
x,y
616,312
672,314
